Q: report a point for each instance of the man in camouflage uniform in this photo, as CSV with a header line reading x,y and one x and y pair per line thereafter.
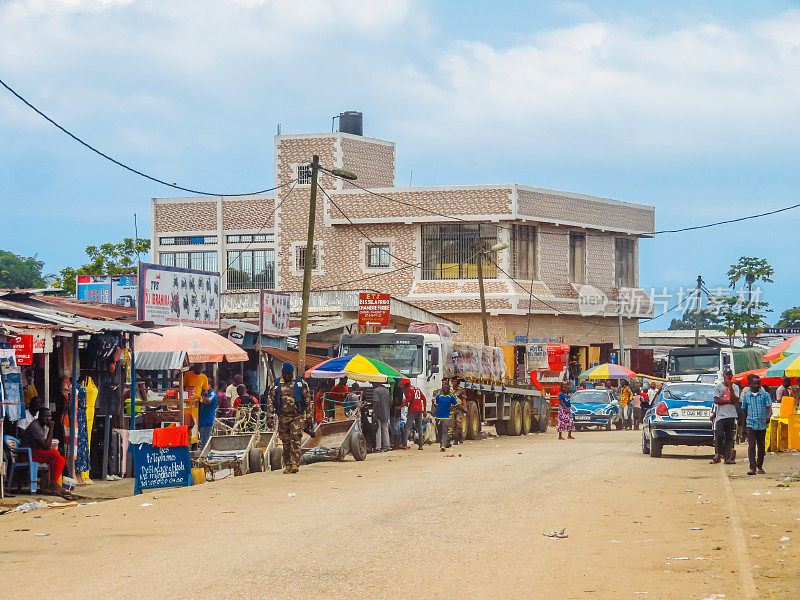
x,y
458,413
289,401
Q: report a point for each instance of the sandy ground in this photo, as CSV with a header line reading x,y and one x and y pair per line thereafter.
x,y
425,524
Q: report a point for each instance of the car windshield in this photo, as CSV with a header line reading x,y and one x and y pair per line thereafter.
x,y
695,363
406,358
590,397
688,393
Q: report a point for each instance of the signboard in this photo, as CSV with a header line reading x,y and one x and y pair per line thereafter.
x,y
373,309
236,335
110,289
782,330
274,314
160,467
174,296
23,349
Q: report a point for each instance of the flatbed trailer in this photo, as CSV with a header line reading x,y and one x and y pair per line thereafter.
x,y
513,408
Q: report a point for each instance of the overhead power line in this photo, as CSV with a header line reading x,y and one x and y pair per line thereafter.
x,y
121,164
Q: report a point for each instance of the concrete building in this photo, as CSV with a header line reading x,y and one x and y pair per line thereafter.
x,y
571,257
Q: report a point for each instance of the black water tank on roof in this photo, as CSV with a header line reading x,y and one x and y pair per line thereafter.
x,y
351,121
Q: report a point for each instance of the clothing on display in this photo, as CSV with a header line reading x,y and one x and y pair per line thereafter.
x,y
13,405
82,452
91,400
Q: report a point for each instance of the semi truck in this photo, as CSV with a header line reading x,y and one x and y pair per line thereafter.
x,y
708,363
514,408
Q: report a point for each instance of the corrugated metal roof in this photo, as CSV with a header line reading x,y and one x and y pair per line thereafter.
x,y
157,361
90,310
62,319
312,360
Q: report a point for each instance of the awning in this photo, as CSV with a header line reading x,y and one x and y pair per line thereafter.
x,y
160,361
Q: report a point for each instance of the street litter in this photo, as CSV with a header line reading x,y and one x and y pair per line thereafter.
x,y
768,493
756,493
697,529
22,530
784,539
146,504
291,494
42,534
616,541
557,534
677,558
755,535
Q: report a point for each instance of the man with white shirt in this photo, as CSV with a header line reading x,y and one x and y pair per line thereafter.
x,y
31,413
726,397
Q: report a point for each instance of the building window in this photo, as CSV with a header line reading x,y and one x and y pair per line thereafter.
x,y
378,255
251,270
624,262
523,252
577,257
448,251
304,174
300,258
187,240
200,261
250,238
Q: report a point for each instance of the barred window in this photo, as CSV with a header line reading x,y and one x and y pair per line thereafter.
x,y
304,174
523,252
251,269
625,262
250,238
449,251
378,255
187,240
300,258
577,257
200,261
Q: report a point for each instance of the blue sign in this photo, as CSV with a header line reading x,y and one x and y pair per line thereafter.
x,y
160,467
782,330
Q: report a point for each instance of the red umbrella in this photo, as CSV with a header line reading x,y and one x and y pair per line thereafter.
x,y
741,378
777,353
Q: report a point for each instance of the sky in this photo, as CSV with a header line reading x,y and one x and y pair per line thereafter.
x,y
688,106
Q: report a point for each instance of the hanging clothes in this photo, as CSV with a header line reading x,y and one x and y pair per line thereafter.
x,y
70,413
91,400
13,406
82,452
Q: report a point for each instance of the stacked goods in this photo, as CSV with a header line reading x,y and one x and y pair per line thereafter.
x,y
444,332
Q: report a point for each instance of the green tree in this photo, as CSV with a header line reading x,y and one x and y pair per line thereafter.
x,y
734,317
789,318
106,259
751,269
20,272
708,320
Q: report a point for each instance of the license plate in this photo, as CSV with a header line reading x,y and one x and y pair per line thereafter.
x,y
695,413
582,417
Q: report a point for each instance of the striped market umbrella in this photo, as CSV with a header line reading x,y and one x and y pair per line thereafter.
x,y
788,367
607,371
782,350
357,367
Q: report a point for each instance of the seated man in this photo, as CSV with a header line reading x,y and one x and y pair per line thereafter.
x,y
31,412
38,436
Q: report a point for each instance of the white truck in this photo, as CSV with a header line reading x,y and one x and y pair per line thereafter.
x,y
708,363
514,408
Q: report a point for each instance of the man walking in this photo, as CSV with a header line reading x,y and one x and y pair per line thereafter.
x,y
625,405
459,411
381,411
444,403
206,417
417,412
757,407
289,400
726,395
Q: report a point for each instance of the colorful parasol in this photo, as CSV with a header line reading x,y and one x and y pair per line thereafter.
x,y
788,367
355,367
782,350
741,378
607,371
198,345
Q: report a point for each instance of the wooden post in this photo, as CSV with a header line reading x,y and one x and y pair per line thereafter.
x,y
309,262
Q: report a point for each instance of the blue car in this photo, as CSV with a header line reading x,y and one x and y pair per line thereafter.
x,y
595,408
680,416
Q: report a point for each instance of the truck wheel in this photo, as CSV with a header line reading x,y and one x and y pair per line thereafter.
x,y
527,417
500,427
543,419
656,446
358,446
514,424
255,460
276,458
473,421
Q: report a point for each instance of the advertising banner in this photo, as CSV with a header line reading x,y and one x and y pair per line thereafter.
x,y
373,309
160,467
123,290
172,296
23,349
274,313
109,289
537,358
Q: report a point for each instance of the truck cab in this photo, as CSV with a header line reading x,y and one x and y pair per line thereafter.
x,y
705,364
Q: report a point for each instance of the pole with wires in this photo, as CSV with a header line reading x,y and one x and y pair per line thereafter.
x,y
308,263
621,359
697,312
479,262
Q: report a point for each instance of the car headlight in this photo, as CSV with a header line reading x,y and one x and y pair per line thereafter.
x,y
599,411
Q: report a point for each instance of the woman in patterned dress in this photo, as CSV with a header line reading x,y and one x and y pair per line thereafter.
x,y
565,420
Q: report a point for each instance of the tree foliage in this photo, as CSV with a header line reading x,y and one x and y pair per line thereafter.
x,y
708,320
106,259
789,318
20,272
750,269
734,317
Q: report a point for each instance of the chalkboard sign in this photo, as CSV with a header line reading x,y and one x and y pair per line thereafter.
x,y
160,467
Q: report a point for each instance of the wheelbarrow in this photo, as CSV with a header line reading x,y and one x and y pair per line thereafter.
x,y
335,440
243,453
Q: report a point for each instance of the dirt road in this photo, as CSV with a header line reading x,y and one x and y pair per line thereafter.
x,y
410,524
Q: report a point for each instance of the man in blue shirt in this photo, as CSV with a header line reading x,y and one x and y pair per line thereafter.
x,y
444,403
757,406
206,416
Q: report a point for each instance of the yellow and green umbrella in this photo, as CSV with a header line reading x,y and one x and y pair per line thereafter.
x,y
788,367
607,371
357,367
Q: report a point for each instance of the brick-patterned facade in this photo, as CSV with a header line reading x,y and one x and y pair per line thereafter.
x,y
351,215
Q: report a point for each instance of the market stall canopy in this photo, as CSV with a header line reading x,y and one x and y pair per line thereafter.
x,y
788,367
782,350
607,371
741,378
357,367
290,356
170,347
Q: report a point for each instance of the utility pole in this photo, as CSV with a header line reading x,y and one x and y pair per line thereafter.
x,y
308,263
479,262
697,312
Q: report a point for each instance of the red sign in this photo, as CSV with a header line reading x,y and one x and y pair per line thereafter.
x,y
373,309
23,348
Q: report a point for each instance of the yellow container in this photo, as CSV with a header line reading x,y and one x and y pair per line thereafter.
x,y
787,407
794,432
198,476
